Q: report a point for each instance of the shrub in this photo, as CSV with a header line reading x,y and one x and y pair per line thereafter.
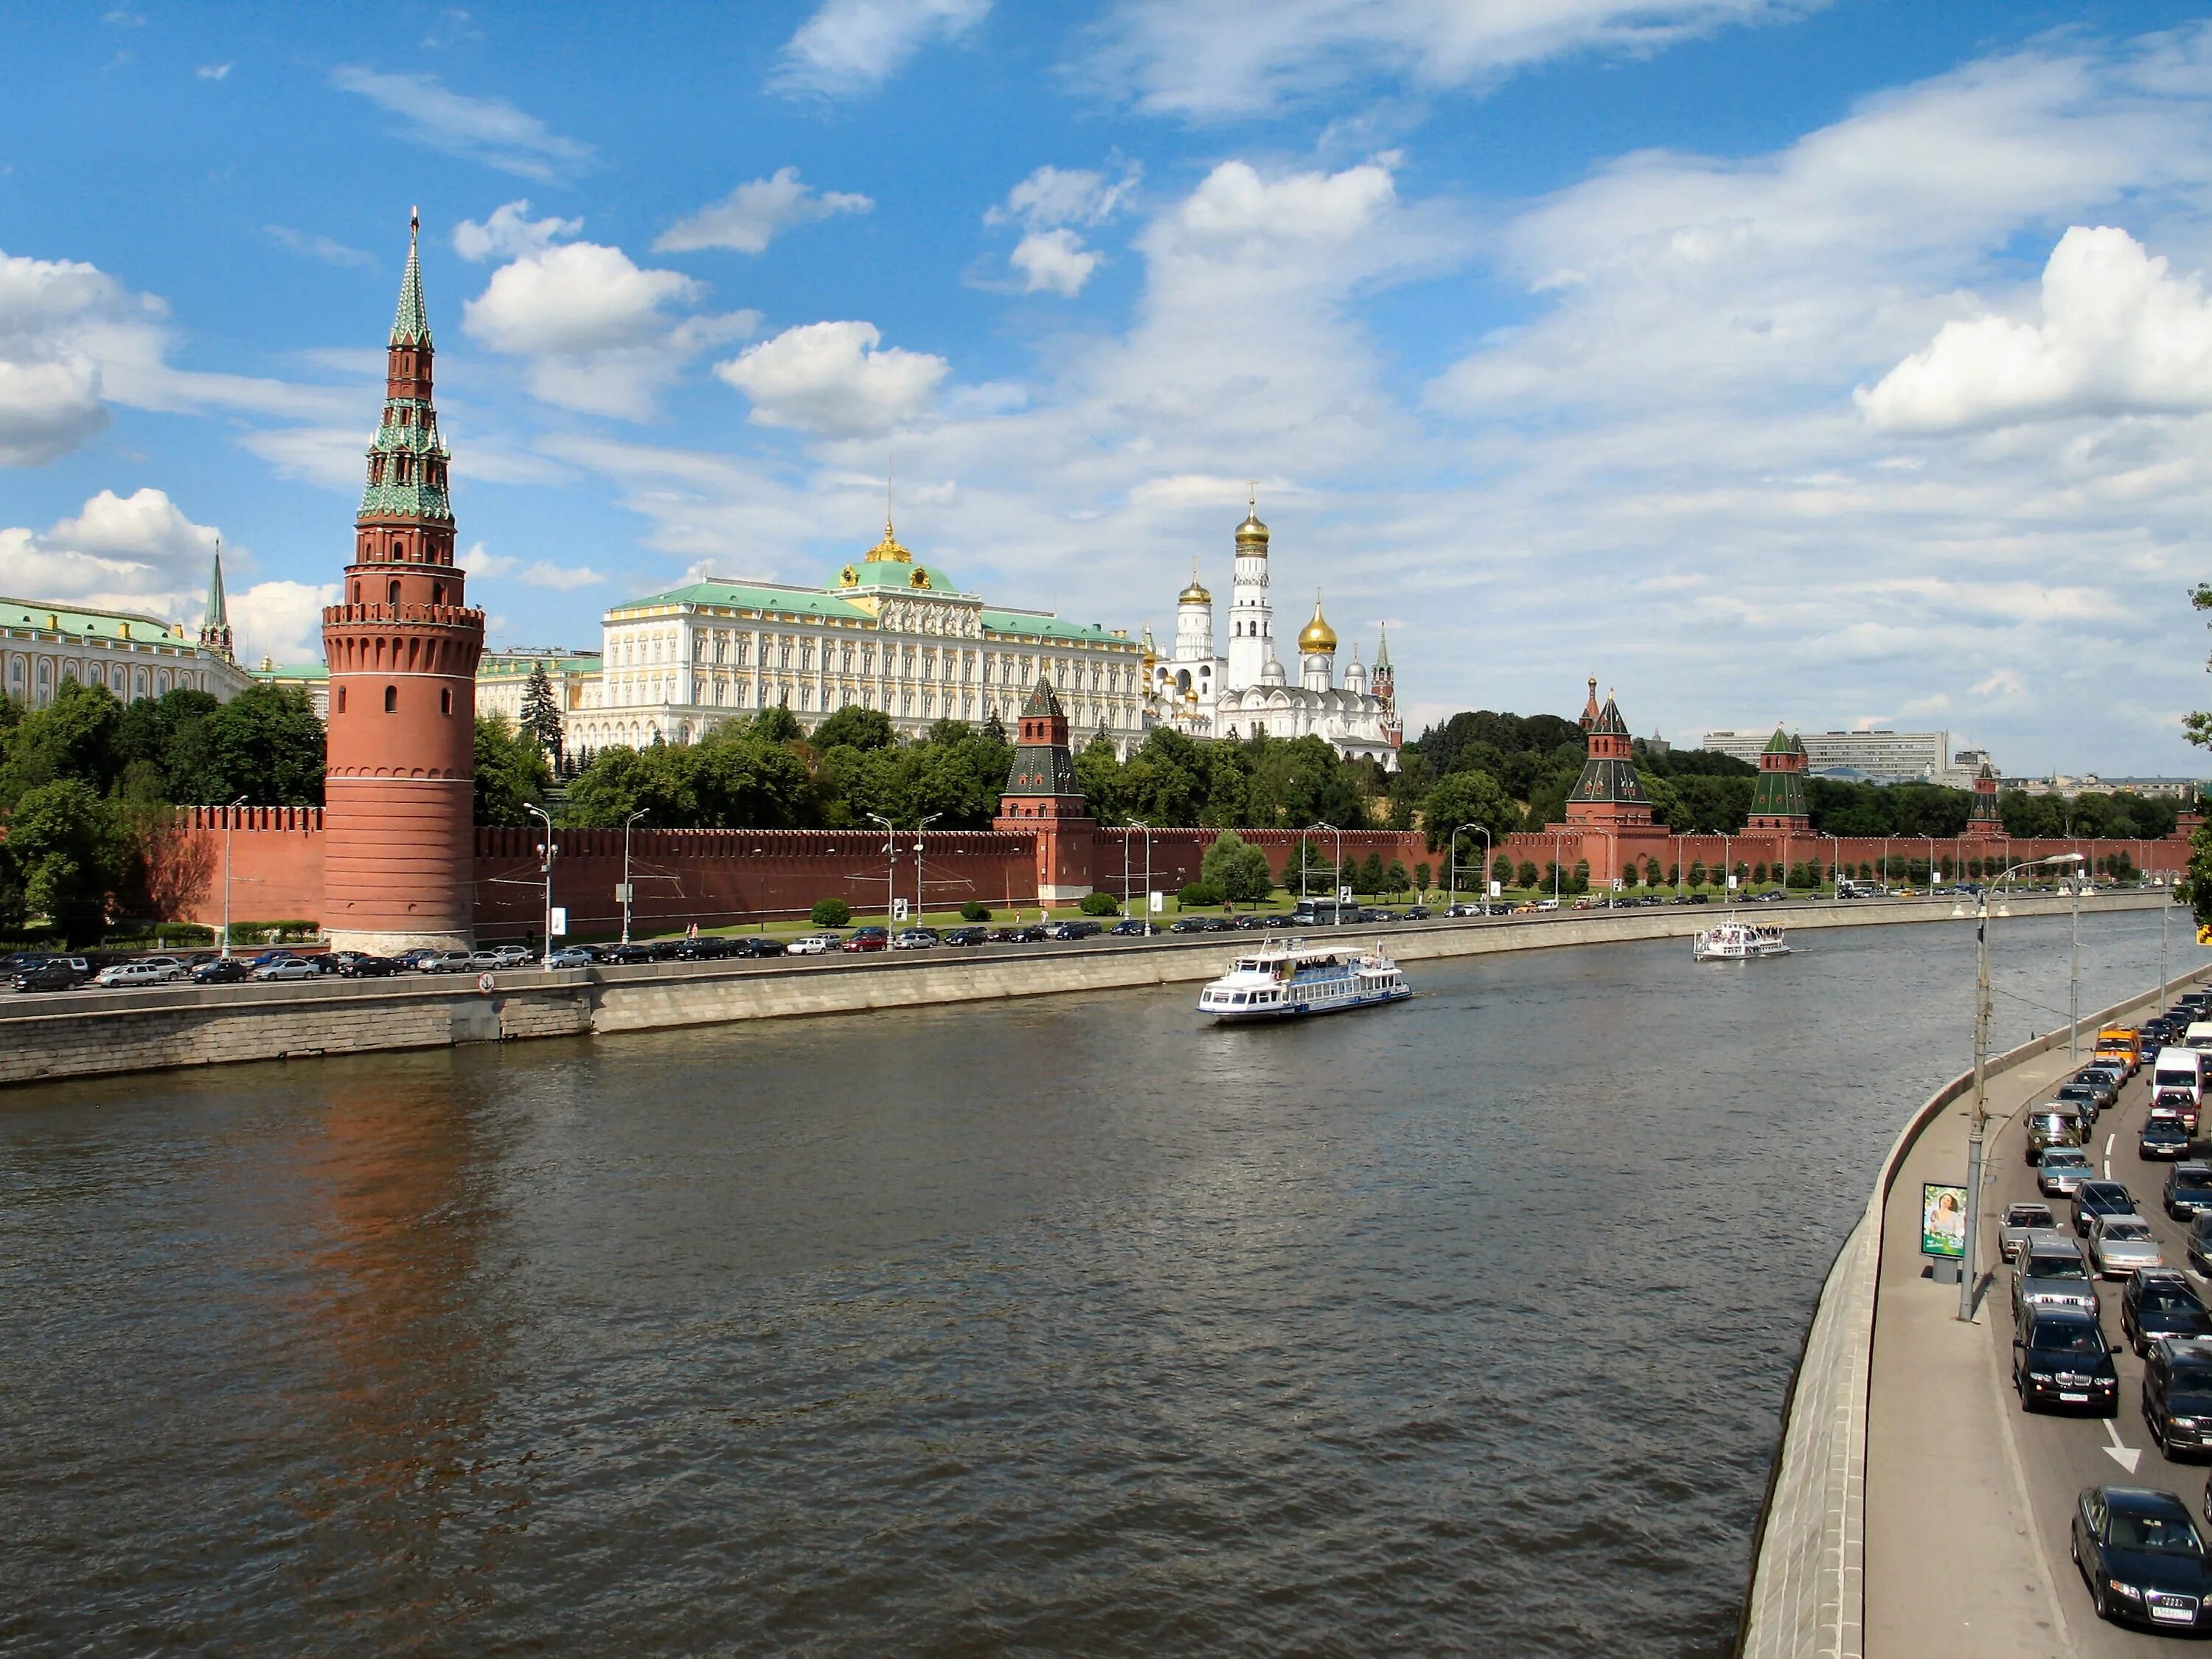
x,y
1421,875
829,913
1099,904
974,910
1198,895
1527,872
1758,873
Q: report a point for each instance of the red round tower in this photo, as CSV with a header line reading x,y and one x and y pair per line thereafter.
x,y
398,791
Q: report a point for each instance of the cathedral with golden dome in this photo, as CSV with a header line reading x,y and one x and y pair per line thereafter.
x,y
1247,691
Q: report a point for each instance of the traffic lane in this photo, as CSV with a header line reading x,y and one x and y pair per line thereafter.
x,y
2061,1455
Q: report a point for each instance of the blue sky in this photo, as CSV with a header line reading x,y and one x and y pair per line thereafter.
x,y
1833,364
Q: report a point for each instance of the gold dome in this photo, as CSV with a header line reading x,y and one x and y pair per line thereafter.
x,y
1195,594
888,550
1317,638
1252,535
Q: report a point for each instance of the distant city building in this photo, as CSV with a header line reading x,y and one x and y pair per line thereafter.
x,y
44,642
2067,787
1877,756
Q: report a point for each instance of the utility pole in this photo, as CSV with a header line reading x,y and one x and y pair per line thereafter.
x,y
890,872
546,855
627,822
918,829
2073,975
229,823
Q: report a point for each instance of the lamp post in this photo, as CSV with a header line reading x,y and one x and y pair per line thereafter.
x,y
1139,823
627,822
918,829
1975,1135
1728,868
1930,840
1339,856
229,824
890,867
2073,972
1835,865
546,855
1483,831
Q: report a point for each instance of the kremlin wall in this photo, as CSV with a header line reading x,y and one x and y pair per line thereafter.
x,y
393,859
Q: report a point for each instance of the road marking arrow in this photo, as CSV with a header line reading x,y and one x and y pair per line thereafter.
x,y
2126,1456
2109,1139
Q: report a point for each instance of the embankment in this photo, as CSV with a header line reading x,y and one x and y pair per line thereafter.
x,y
85,1034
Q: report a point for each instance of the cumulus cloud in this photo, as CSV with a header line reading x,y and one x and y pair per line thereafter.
x,y
1051,257
836,379
598,333
854,46
1232,57
487,130
1054,261
2120,334
281,621
754,214
136,552
508,233
53,314
479,561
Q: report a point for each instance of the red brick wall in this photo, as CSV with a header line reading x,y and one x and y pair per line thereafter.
x,y
1607,853
275,864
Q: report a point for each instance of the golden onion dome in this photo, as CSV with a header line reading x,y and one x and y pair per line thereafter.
x,y
1252,534
1317,638
888,550
1194,594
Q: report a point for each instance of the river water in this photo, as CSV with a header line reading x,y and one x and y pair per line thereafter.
x,y
1070,1326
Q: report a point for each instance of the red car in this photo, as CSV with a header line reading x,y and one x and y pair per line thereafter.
x,y
869,938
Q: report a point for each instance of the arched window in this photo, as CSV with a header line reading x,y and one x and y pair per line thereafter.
x,y
356,594
395,584
342,691
437,592
446,700
391,698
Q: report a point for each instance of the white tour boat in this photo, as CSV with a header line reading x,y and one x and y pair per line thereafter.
x,y
1739,941
1287,979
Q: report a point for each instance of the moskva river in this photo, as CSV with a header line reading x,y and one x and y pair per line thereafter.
x,y
1070,1327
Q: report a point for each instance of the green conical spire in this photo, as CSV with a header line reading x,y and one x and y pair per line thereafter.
x,y
410,325
217,615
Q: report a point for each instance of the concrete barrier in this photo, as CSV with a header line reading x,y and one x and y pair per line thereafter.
x,y
82,1034
1808,1597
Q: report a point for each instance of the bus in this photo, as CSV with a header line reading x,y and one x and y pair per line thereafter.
x,y
1324,912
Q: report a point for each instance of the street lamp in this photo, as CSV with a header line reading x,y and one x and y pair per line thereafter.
x,y
1483,831
891,868
546,855
627,822
1139,823
1930,840
918,829
1977,1133
1339,856
229,824
2073,972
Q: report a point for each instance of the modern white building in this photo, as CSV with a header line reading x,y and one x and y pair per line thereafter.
x,y
1248,692
43,644
1880,755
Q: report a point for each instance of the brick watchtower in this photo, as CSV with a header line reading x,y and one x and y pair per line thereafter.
x,y
1042,798
399,788
1984,822
1608,795
1777,800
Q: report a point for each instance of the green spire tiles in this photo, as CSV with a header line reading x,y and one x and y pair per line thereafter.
x,y
410,324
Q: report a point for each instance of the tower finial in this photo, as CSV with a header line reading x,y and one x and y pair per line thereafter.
x,y
414,224
1252,496
887,495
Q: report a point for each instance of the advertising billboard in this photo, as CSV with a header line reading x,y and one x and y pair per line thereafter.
x,y
1943,1220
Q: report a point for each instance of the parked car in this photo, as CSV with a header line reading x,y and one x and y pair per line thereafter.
x,y
2142,1557
2122,1244
514,955
290,968
411,961
2060,1169
488,961
444,962
627,956
2163,1137
570,955
1187,924
55,973
868,939
2020,1220
2188,1190
358,966
815,945
2094,1199
1132,927
2060,1357
2051,1271
1086,928
707,947
914,939
1417,913
223,971
2177,1389
138,973
2159,1303
971,935
754,946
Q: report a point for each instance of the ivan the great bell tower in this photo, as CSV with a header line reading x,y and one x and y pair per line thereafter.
x,y
399,785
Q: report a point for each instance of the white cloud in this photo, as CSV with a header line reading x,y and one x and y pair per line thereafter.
x,y
835,379
213,71
753,215
597,330
315,247
51,314
508,233
1229,57
281,621
1050,257
478,561
487,130
136,552
854,46
1054,261
2118,335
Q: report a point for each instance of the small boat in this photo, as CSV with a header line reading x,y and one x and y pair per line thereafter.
x,y
1738,941
1288,979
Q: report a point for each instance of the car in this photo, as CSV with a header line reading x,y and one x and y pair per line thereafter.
x,y
444,962
138,973
2108,1067
662,949
970,935
488,962
2142,1557
2103,1090
1416,912
628,956
570,955
1187,924
2200,1242
707,947
867,938
2158,1303
2188,1190
2181,1103
816,944
358,966
1250,921
753,945
1278,920
2162,1136
2049,1271
291,967
55,973
223,971
267,956
2060,1169
2084,1097
2122,1245
2093,1200
1086,929
2020,1220
2177,1388
2060,1357
915,938
411,961
2055,1123
1134,927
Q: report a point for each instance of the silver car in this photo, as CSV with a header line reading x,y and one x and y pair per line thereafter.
x,y
2051,1271
2121,1244
2062,1169
2021,1219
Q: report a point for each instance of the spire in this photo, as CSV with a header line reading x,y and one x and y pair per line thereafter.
x,y
410,324
1382,645
1590,708
215,621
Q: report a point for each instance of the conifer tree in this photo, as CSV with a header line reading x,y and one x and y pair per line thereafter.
x,y
541,713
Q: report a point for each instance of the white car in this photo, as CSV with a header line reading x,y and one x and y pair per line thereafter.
x,y
2122,1244
139,973
292,968
569,957
815,945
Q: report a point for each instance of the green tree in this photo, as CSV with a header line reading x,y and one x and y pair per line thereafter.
x,y
774,725
73,737
1371,874
1197,896
1100,904
264,744
68,850
1395,879
1463,798
1422,874
1501,871
541,712
511,773
1238,869
1527,874
855,728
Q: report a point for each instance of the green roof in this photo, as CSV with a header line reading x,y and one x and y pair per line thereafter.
x,y
1783,744
293,670
890,573
108,624
409,325
1050,628
743,597
504,662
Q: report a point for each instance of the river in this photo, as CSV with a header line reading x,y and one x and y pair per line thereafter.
x,y
1062,1328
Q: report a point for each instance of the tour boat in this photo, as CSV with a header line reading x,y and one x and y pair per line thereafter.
x,y
1287,979
1738,941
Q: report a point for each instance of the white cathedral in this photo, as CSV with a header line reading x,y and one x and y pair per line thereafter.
x,y
1247,693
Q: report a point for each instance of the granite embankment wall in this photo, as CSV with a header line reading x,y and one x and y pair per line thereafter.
x,y
1807,1596
90,1033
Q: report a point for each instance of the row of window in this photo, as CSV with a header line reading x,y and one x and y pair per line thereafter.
x,y
391,699
35,682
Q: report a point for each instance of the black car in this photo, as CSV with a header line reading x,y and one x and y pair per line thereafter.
x,y
1278,920
2158,1303
1132,928
626,955
2139,1554
223,971
2094,1198
2163,1137
2083,1095
1085,929
357,966
2177,1392
2060,1357
970,935
1187,924
755,945
1036,933
707,947
59,974
1251,921
2188,1190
